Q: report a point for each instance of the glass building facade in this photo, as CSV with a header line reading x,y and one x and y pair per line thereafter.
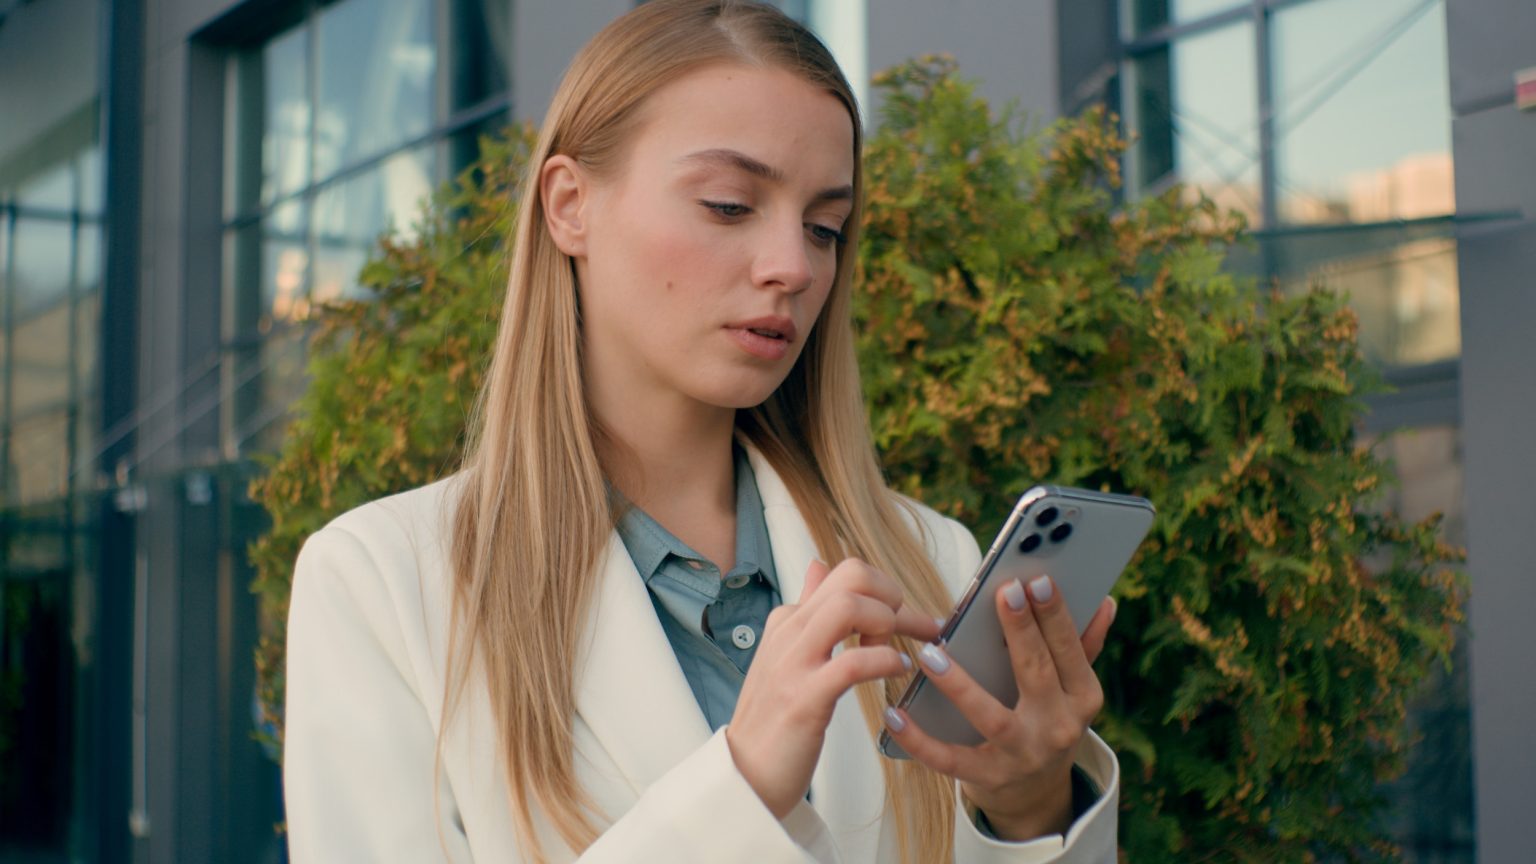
x,y
166,229
1327,124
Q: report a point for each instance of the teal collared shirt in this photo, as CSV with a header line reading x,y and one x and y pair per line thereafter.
x,y
713,620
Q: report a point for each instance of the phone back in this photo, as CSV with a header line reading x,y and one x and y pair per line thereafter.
x,y
1081,539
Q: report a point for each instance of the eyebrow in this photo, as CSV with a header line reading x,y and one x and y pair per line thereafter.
x,y
746,164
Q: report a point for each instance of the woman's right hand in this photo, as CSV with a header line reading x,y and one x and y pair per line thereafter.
x,y
788,696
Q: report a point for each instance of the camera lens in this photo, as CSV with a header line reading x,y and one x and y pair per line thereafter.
x,y
1029,544
1046,517
1061,532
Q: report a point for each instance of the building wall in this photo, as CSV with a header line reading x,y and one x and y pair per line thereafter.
x,y
1488,41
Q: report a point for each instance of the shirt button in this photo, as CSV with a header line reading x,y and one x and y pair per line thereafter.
x,y
743,637
737,581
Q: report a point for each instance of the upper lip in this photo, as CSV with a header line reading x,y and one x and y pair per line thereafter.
x,y
775,323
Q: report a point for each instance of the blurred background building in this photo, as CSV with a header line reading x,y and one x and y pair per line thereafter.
x,y
179,179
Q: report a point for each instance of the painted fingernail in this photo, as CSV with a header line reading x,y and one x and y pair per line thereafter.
x,y
893,720
934,659
906,662
1013,593
1040,589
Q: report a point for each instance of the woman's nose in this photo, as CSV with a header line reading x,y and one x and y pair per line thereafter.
x,y
784,259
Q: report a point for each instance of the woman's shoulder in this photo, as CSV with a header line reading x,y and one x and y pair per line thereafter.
x,y
397,545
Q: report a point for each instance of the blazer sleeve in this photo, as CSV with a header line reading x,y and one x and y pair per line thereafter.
x,y
1092,839
360,749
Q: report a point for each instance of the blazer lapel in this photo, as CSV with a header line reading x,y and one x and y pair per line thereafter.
x,y
847,789
630,690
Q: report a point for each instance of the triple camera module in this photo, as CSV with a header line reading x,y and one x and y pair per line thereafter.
x,y
1045,519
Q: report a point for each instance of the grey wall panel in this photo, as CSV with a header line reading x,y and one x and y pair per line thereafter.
x,y
545,36
1498,306
1009,45
36,90
1493,150
1489,40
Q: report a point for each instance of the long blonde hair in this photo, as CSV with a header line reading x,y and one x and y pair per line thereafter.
x,y
533,518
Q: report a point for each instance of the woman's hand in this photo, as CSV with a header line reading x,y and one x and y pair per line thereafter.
x,y
1020,777
787,699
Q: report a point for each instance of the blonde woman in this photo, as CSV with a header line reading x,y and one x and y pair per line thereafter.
x,y
611,636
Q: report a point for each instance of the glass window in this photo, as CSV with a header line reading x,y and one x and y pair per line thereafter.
x,y
1193,112
1148,15
53,190
1407,299
377,65
40,371
39,458
482,36
351,215
284,71
40,269
1362,111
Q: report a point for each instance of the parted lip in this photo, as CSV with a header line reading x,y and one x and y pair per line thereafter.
x,y
771,323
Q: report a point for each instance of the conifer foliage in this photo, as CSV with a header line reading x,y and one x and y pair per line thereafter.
x,y
1018,324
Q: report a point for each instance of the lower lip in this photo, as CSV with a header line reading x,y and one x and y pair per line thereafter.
x,y
765,347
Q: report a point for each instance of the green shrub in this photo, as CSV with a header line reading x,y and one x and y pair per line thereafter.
x,y
1018,325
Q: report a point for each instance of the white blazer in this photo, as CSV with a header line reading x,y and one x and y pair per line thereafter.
x,y
366,642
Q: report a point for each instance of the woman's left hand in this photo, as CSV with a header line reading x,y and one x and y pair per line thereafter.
x,y
1020,776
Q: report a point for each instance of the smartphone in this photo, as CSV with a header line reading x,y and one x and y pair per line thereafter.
x,y
1081,538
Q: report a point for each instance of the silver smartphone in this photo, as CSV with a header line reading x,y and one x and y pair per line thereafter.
x,y
1081,538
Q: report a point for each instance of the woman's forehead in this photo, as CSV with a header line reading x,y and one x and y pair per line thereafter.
x,y
770,116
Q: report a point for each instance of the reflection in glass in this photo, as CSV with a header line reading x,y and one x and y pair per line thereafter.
x,y
41,264
52,190
1362,111
1193,112
1429,808
1148,15
40,371
39,458
351,215
375,78
481,54
285,139
1407,299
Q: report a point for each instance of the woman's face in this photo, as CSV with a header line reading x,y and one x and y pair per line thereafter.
x,y
707,256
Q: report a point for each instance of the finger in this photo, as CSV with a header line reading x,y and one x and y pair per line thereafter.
x,y
952,760
1034,669
854,666
1061,637
858,577
995,721
1098,629
841,614
815,574
917,624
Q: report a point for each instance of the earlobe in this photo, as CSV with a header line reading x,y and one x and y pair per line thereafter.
x,y
563,191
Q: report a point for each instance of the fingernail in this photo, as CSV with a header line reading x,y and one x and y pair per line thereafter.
x,y
1114,609
906,662
1040,589
1013,593
934,659
940,622
893,720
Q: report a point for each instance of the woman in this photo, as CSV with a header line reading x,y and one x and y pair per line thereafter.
x,y
567,650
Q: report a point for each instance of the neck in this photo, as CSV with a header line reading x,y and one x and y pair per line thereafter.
x,y
668,457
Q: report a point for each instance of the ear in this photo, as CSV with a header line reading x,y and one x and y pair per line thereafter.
x,y
565,193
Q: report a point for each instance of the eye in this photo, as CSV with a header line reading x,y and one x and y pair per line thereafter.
x,y
824,236
727,209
